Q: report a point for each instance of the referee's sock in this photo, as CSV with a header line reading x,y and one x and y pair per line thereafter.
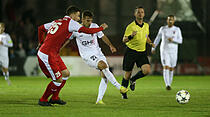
x,y
125,82
138,75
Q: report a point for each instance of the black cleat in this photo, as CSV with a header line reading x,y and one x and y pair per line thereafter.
x,y
168,88
59,101
44,103
132,85
124,96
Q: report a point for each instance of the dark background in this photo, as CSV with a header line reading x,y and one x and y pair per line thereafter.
x,y
23,16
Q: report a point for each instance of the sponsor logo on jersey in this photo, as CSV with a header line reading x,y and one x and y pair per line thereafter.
x,y
85,43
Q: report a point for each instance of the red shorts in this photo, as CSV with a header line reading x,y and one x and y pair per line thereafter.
x,y
51,65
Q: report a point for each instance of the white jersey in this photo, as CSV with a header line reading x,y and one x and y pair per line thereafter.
x,y
166,32
7,42
88,43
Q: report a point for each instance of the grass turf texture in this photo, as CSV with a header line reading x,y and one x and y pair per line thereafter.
x,y
150,99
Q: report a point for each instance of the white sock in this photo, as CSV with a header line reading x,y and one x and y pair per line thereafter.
x,y
171,74
102,88
111,78
6,76
166,76
65,78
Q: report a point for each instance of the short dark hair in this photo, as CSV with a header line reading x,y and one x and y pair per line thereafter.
x,y
138,7
3,24
72,9
172,16
87,13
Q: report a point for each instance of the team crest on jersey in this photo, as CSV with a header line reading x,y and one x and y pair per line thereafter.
x,y
57,74
174,32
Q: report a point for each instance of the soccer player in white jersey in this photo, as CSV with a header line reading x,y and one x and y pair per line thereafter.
x,y
91,53
171,36
5,42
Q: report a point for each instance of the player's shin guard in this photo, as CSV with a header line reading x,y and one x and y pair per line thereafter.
x,y
125,82
111,78
55,95
138,75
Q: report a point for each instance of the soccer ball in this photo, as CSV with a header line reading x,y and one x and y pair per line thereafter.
x,y
182,97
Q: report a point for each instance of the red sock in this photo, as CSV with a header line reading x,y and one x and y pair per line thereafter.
x,y
49,91
56,93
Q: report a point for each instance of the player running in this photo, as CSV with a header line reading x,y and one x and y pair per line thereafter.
x,y
50,62
92,55
171,36
5,42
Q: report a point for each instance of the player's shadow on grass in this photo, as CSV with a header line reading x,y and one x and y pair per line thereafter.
x,y
21,102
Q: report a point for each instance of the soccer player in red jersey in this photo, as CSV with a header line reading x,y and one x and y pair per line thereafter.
x,y
50,62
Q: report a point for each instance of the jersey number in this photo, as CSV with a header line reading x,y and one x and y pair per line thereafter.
x,y
54,27
93,57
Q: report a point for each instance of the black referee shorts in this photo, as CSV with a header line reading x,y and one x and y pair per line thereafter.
x,y
131,57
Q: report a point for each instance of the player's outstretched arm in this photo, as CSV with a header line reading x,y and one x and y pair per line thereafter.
x,y
75,26
93,30
104,25
107,42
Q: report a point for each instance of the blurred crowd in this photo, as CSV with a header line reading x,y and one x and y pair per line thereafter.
x,y
21,25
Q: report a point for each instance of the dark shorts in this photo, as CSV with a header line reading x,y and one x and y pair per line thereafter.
x,y
131,57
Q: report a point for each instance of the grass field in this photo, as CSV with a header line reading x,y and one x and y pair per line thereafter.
x,y
150,99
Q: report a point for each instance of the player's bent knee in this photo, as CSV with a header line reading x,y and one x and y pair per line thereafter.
x,y
102,65
171,69
65,73
127,75
166,67
146,70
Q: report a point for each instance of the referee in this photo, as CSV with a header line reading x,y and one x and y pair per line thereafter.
x,y
135,38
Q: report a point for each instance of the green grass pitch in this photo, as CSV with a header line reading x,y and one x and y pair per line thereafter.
x,y
150,99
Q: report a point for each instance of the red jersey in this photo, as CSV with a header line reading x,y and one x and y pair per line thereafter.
x,y
58,32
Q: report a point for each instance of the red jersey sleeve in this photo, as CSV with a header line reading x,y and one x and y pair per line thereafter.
x,y
75,26
90,30
41,32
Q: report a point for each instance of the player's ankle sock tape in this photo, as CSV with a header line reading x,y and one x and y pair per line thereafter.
x,y
65,78
57,84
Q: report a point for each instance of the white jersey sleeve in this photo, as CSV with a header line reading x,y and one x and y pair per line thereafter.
x,y
74,26
7,41
178,39
158,38
100,34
